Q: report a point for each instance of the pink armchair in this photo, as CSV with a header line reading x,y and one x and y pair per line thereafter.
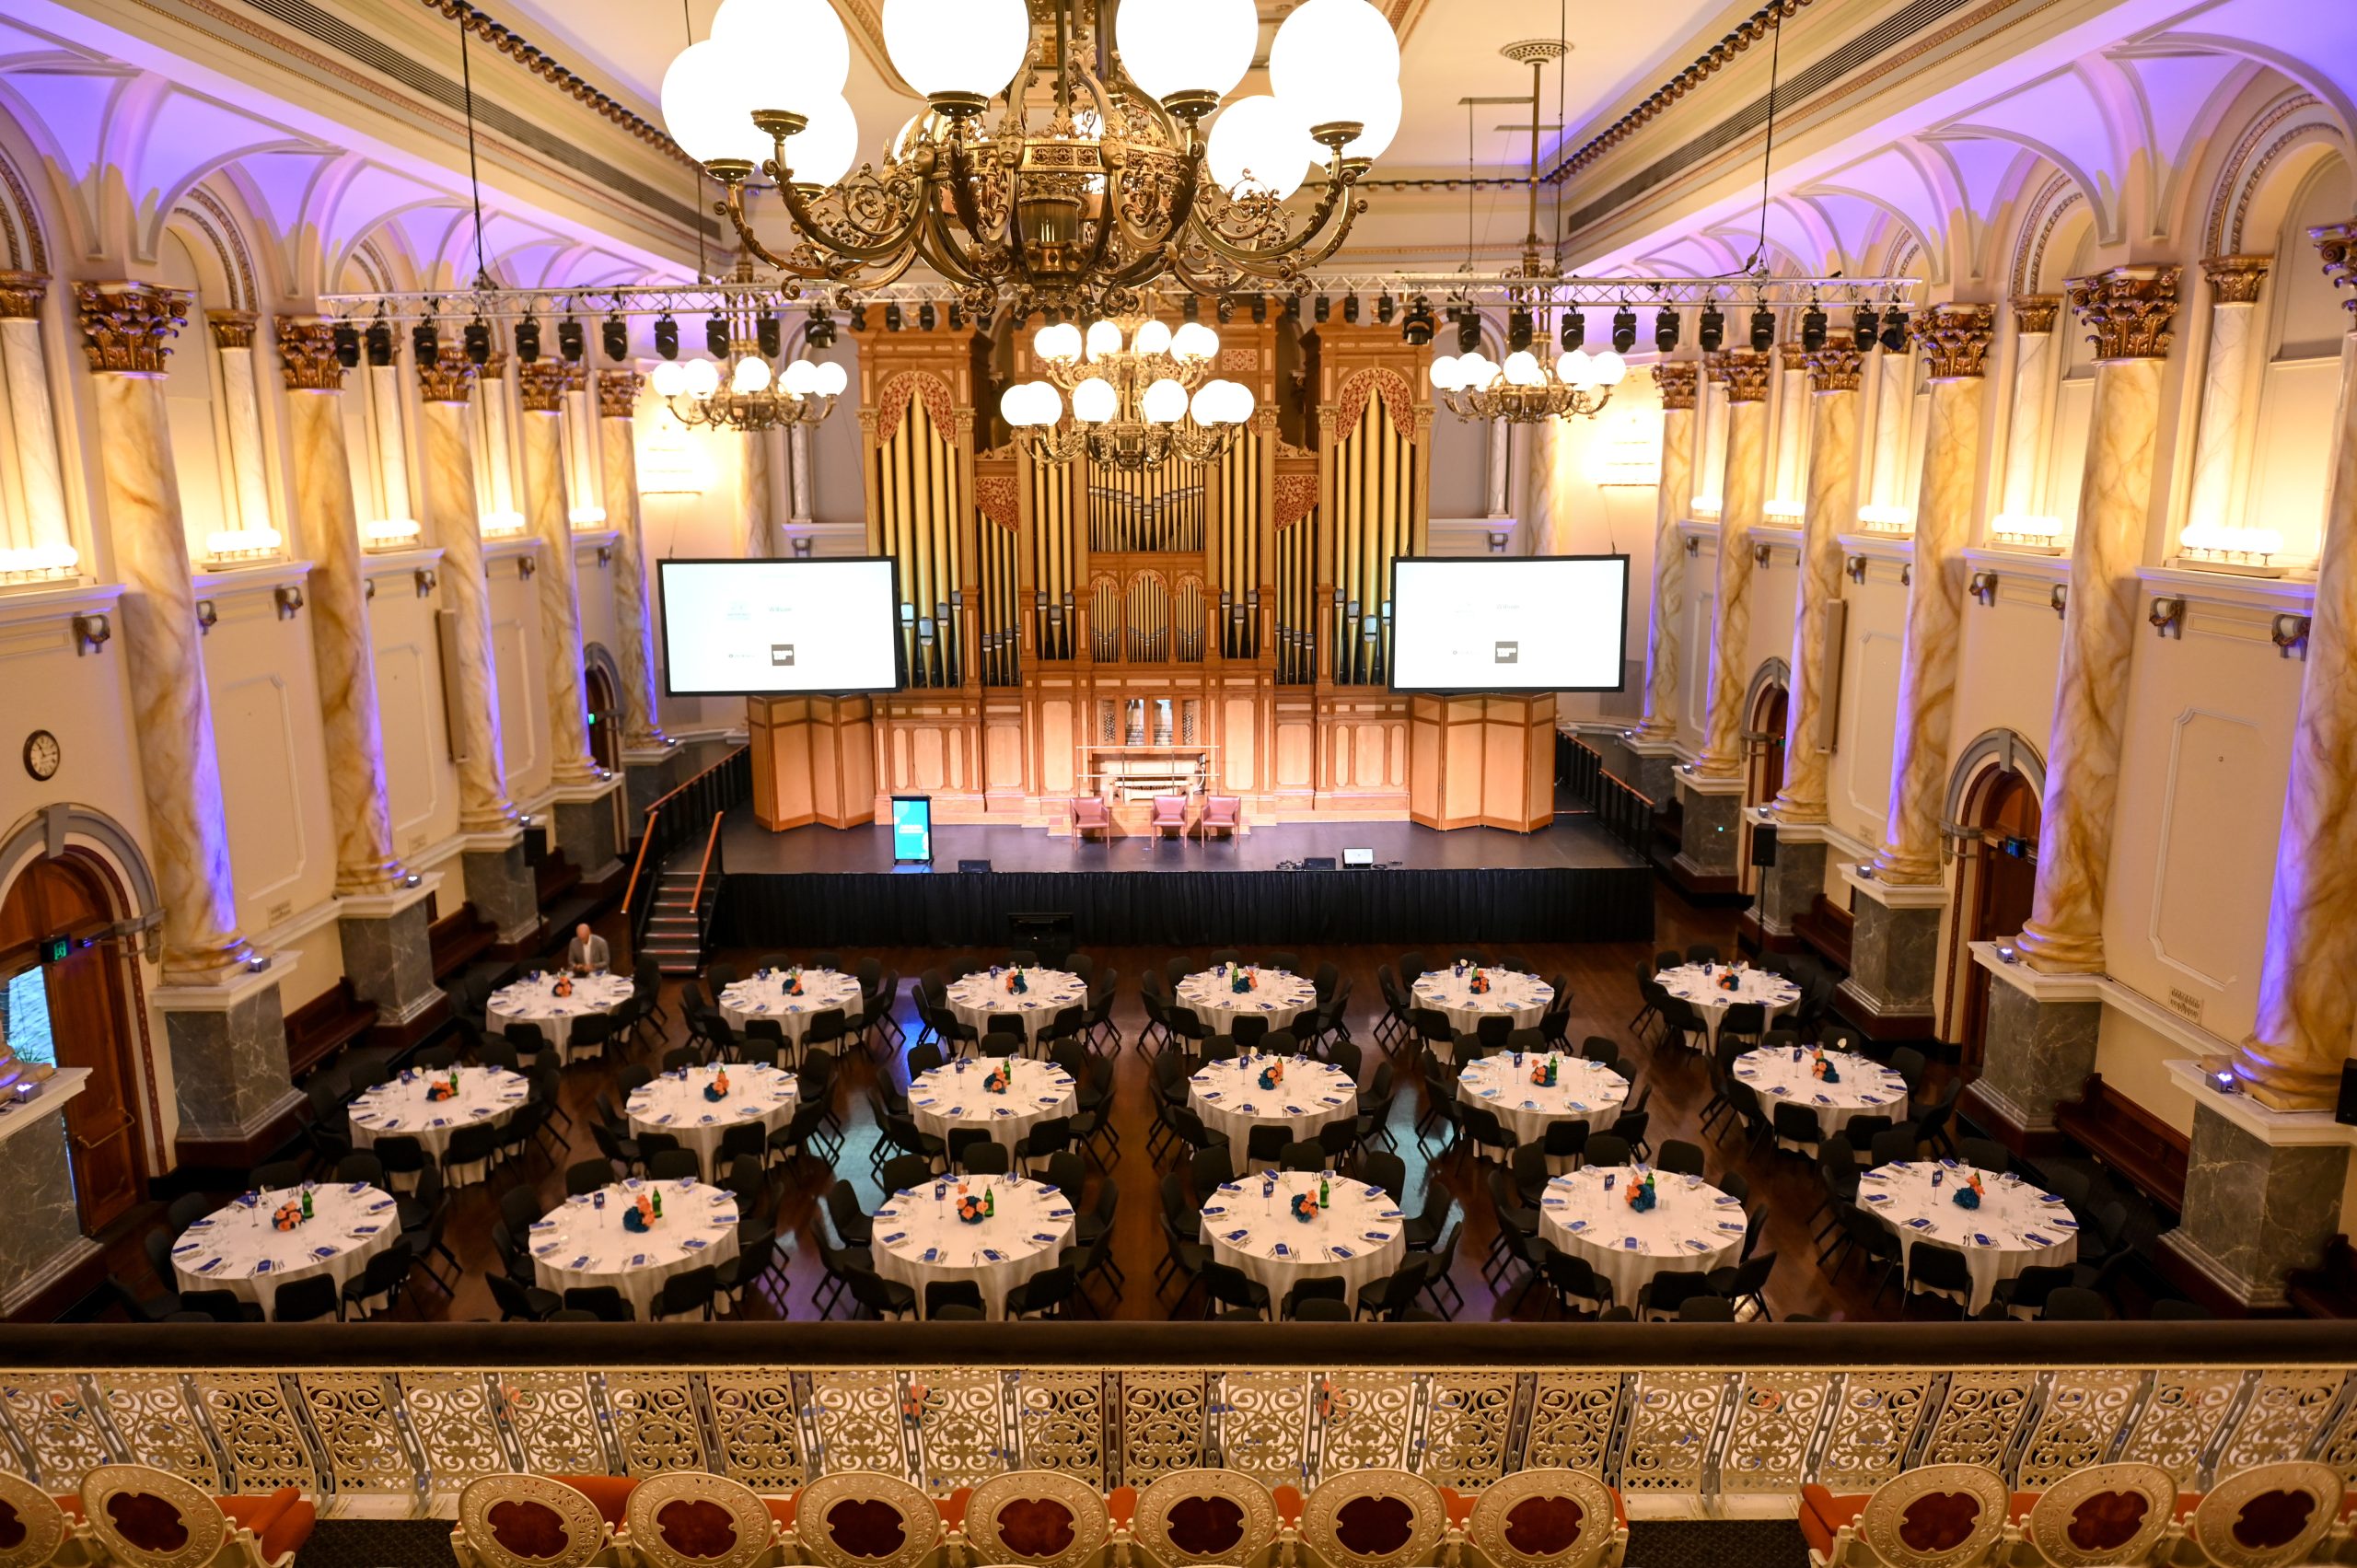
x,y
1169,815
1090,815
1222,814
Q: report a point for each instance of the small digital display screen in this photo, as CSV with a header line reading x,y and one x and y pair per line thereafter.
x,y
912,830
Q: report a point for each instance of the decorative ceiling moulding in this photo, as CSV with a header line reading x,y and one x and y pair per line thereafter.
x,y
2130,311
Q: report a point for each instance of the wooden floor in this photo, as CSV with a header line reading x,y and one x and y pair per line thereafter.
x,y
1602,978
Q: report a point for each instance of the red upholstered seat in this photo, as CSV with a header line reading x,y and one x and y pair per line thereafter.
x,y
1288,1500
1823,1515
1122,1504
953,1507
782,1510
282,1521
609,1495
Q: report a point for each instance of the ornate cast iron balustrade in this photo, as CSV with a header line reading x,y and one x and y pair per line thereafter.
x,y
1683,1420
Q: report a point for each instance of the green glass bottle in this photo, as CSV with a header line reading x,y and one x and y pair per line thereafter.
x,y
307,1202
658,1202
1322,1197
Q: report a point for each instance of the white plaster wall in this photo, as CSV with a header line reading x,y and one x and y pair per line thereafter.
x,y
420,779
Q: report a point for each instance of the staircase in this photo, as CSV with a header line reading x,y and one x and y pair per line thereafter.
x,y
674,936
675,879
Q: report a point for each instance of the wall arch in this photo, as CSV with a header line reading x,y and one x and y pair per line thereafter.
x,y
2043,217
1772,672
2269,162
22,245
1991,752
50,832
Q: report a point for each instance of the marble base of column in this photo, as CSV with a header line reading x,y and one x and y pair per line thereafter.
x,y
1656,768
1789,888
2254,1211
42,1247
230,1078
586,831
389,953
1710,823
2040,1048
501,886
1894,957
648,774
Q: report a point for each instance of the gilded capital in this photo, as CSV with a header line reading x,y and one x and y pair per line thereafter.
x,y
494,366
1792,356
447,377
232,328
307,356
127,329
1746,373
540,385
618,392
1955,340
2130,311
1677,379
21,293
1835,369
2034,314
2336,242
2235,280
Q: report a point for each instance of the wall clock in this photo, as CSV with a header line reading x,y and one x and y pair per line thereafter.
x,y
43,755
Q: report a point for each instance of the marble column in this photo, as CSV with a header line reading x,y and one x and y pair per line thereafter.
x,y
2307,1012
1834,374
1672,501
1894,389
496,480
797,448
2035,360
1711,437
2234,336
583,802
381,907
1743,491
753,496
649,757
1955,340
1792,423
2130,312
233,341
220,1006
48,527
498,883
392,451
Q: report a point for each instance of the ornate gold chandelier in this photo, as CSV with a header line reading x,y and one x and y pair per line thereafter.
x,y
1050,172
1137,400
737,387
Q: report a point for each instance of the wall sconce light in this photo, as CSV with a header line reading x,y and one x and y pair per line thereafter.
x,y
1693,545
289,598
2167,616
1498,543
1762,554
1855,566
1907,576
525,567
425,580
368,590
605,555
207,616
90,634
2060,597
802,547
1984,587
2291,632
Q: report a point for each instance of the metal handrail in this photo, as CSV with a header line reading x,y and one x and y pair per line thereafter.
x,y
711,851
706,796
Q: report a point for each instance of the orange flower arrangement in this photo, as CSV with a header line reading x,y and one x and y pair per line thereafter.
x,y
564,985
288,1217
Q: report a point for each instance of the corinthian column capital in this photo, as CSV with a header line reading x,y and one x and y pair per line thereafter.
x,y
617,393
2235,280
1747,375
540,385
232,328
447,377
21,293
1835,369
127,328
1955,340
307,356
2336,242
1677,380
2131,312
2034,314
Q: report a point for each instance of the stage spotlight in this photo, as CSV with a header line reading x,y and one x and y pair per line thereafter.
x,y
1518,331
859,318
528,342
1665,330
769,336
666,336
1763,328
426,341
1260,308
1624,330
1712,332
1386,308
1351,309
820,333
569,341
927,317
715,335
1865,327
1416,327
1191,307
478,341
1468,332
347,344
1320,309
1813,328
613,336
1227,311
1574,329
1894,330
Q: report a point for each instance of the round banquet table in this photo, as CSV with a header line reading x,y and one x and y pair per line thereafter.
x,y
1361,1235
1863,1086
1521,997
920,1240
533,1000
763,995
1275,996
236,1248
952,1095
1228,1097
1699,983
675,1103
1693,1225
2015,1226
1046,992
1583,1091
578,1244
402,1109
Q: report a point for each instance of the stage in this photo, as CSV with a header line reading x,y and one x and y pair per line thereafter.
x,y
826,887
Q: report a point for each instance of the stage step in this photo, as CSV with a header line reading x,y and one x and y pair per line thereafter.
x,y
671,925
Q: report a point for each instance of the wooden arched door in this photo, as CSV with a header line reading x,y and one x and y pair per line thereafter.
x,y
89,1018
2003,884
605,717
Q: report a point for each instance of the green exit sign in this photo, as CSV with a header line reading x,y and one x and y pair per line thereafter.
x,y
56,950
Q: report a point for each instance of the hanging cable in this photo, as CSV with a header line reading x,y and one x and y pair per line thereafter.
x,y
1768,154
474,177
695,196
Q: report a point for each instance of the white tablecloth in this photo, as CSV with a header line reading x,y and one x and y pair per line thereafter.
x,y
1275,996
2015,1226
1360,1235
1032,1224
764,996
228,1249
400,1107
1699,983
1522,997
1583,1091
952,1096
1228,1097
535,1000
1693,1225
578,1244
1863,1086
1045,993
675,1103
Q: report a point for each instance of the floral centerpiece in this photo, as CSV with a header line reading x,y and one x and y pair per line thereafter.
x,y
1543,1074
1015,984
1642,1197
642,1215
1728,980
793,982
999,1079
1239,979
974,1211
564,985
441,1090
290,1215
1481,983
717,1090
1304,1206
1823,1071
1968,1195
1272,1075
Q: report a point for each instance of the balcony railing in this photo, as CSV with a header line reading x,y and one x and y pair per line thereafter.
x,y
1695,1421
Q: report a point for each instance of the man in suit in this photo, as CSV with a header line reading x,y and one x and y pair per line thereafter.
x,y
587,953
